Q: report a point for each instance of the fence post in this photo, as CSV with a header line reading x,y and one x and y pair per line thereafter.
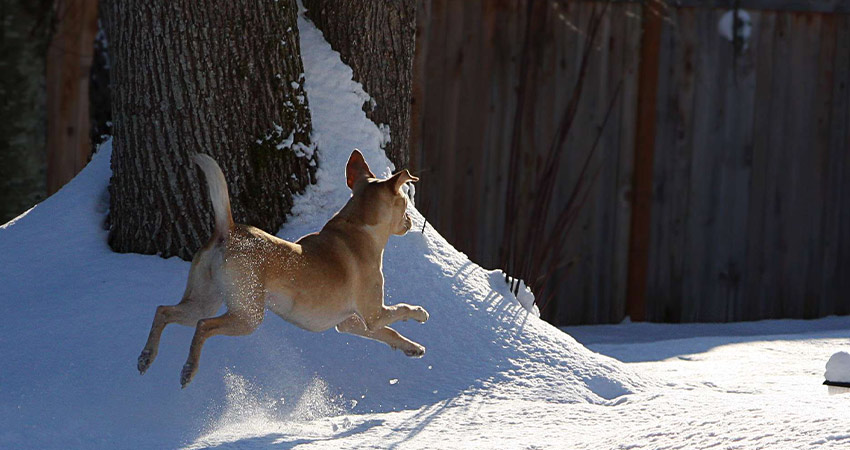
x,y
638,263
69,59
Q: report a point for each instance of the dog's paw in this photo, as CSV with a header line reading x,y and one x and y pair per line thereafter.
x,y
420,315
187,374
145,360
415,351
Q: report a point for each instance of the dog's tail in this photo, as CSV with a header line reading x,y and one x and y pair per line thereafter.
x,y
218,193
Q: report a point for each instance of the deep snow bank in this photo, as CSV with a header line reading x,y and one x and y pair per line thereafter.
x,y
75,316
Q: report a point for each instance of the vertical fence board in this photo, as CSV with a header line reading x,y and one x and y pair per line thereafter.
x,y
804,191
672,171
428,160
644,149
836,222
625,163
775,248
815,298
756,290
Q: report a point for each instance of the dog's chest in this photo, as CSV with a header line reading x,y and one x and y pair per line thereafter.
x,y
279,303
306,314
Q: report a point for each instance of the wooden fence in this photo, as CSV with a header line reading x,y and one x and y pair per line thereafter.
x,y
724,195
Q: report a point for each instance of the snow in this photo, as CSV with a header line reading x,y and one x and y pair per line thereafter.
x,y
526,298
838,368
523,293
727,22
74,316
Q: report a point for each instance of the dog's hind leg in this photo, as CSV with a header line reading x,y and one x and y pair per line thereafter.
x,y
232,323
355,325
187,312
200,299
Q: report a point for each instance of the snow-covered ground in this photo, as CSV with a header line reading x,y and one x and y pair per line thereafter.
x,y
74,316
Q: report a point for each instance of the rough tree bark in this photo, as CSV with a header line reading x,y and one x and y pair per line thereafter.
x,y
376,39
223,77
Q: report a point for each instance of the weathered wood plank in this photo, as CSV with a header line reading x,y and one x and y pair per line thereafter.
x,y
802,193
660,237
453,66
701,219
572,305
607,73
625,161
418,97
763,119
642,181
673,169
822,99
777,173
469,115
69,60
814,6
605,277
501,102
836,218
736,71
841,131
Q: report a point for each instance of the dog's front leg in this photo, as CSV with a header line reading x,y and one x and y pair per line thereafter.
x,y
231,323
382,315
355,325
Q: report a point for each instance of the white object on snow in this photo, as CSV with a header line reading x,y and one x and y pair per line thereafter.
x,y
524,296
526,299
727,22
838,368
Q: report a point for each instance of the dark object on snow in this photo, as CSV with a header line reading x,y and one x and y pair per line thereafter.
x,y
837,384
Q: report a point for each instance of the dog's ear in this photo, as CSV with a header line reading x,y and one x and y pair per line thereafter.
x,y
397,181
356,169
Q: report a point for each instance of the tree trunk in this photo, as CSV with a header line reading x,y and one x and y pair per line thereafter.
x,y
376,39
219,77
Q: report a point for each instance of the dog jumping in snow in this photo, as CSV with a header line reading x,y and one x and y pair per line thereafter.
x,y
325,279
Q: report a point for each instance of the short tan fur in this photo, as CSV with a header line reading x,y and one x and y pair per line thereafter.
x,y
332,278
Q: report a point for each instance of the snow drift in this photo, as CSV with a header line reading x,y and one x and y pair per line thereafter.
x,y
74,316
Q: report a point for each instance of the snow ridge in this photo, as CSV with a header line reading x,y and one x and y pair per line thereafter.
x,y
74,316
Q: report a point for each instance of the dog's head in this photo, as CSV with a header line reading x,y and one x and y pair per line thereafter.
x,y
383,200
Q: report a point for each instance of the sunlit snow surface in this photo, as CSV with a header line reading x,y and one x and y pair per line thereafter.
x,y
74,316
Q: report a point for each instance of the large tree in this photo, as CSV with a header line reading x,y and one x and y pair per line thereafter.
x,y
222,77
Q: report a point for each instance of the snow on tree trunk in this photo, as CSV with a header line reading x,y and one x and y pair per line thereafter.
x,y
218,77
376,39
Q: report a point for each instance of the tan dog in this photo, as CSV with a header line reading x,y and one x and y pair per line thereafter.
x,y
325,279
